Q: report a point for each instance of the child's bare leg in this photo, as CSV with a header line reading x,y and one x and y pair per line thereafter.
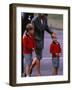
x,y
24,74
27,69
54,71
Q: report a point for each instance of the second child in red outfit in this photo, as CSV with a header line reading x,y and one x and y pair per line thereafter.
x,y
55,50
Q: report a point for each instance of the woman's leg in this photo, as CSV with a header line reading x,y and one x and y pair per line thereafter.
x,y
36,64
38,67
32,65
38,52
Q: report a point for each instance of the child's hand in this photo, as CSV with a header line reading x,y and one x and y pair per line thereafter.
x,y
57,54
33,49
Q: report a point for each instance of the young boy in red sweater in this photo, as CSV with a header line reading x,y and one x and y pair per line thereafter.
x,y
28,47
55,50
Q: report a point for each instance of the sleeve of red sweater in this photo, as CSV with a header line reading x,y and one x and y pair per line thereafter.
x,y
51,48
59,48
25,44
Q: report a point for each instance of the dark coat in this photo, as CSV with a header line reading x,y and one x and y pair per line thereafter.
x,y
39,31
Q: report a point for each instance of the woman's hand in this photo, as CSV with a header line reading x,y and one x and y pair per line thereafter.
x,y
53,34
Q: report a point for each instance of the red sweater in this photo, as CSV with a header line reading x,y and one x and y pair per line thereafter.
x,y
28,44
55,48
